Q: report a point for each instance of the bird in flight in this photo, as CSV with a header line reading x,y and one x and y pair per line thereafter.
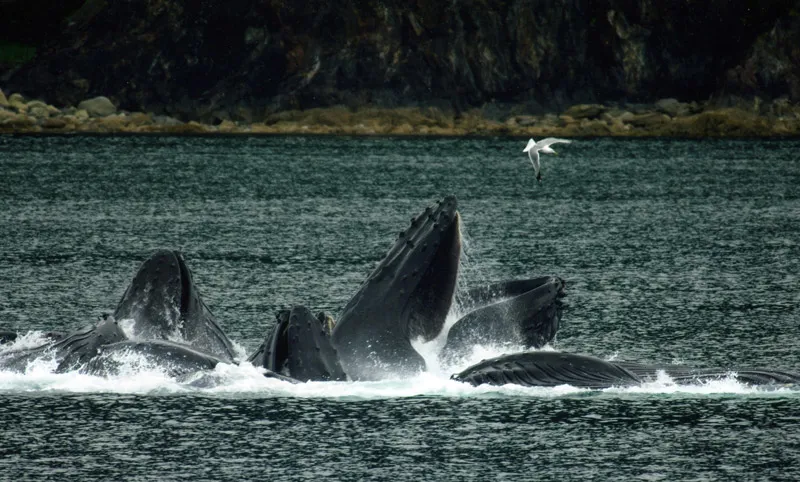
x,y
533,148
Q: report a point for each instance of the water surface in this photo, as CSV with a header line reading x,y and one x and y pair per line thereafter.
x,y
673,250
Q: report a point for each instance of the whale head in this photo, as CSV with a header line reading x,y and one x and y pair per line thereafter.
x,y
406,297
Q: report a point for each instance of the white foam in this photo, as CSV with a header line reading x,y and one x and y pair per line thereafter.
x,y
138,375
245,380
31,339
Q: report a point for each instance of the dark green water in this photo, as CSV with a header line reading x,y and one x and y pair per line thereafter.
x,y
672,250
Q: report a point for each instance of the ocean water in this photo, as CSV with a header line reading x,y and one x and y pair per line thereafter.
x,y
673,251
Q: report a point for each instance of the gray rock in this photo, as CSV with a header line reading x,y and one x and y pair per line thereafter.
x,y
13,120
165,120
54,123
40,110
17,102
525,120
780,107
98,107
585,111
639,108
672,107
625,116
651,119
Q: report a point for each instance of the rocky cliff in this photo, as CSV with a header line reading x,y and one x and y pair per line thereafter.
x,y
244,59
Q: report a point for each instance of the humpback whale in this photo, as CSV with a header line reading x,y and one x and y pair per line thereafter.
x,y
177,359
7,336
163,305
405,298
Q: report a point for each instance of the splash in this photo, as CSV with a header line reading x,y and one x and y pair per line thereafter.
x,y
31,339
246,381
136,374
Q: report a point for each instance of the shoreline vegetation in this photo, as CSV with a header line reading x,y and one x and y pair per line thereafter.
x,y
666,117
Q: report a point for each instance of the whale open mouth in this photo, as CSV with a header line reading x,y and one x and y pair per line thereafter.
x,y
406,297
430,301
157,297
164,304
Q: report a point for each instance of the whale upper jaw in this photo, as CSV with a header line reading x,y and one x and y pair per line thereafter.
x,y
164,304
406,297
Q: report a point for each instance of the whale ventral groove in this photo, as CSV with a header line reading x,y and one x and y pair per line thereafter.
x,y
407,296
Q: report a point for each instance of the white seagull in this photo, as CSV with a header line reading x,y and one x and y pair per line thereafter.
x,y
533,148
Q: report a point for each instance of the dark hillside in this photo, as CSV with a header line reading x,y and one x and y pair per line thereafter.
x,y
243,59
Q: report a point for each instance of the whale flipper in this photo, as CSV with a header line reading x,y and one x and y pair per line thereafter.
x,y
406,297
165,304
523,313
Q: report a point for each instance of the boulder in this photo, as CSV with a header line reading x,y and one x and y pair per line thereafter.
x,y
672,107
648,120
40,110
17,102
565,120
3,99
54,123
16,121
165,120
522,121
6,116
98,107
585,111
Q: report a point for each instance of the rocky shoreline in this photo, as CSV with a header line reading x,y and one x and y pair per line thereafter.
x,y
666,117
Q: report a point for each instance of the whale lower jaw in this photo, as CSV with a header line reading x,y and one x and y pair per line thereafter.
x,y
552,369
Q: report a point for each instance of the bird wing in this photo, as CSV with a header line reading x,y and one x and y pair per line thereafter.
x,y
534,157
551,140
530,145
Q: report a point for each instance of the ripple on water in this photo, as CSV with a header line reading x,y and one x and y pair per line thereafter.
x,y
673,250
